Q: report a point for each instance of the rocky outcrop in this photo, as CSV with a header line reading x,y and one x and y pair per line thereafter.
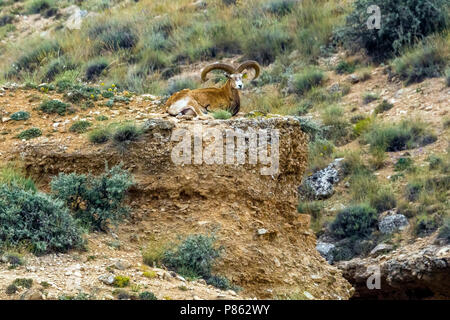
x,y
393,223
269,248
416,271
320,184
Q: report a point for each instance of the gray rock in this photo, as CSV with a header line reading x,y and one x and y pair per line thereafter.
x,y
393,223
325,249
107,279
381,248
321,182
121,265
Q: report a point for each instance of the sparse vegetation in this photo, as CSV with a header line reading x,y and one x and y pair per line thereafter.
x,y
30,134
55,106
95,201
80,126
20,115
222,114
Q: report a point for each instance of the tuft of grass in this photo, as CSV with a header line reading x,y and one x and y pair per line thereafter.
x,y
306,80
447,77
337,127
345,67
154,253
23,282
100,135
125,133
383,106
95,68
11,175
222,114
80,126
362,126
30,134
368,97
427,60
399,136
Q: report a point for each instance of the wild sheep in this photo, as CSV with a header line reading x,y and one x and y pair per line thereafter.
x,y
199,102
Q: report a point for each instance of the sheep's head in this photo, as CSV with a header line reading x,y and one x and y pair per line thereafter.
x,y
235,75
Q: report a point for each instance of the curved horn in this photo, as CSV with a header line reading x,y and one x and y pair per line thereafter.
x,y
250,64
221,66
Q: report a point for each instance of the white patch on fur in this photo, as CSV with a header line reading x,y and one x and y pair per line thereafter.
x,y
179,106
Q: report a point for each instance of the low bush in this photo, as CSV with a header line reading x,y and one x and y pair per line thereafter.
x,y
95,201
121,281
402,23
36,219
355,221
425,225
80,126
304,81
383,106
383,200
34,57
39,6
403,163
222,114
368,97
100,135
362,126
345,67
336,126
153,254
30,134
55,106
23,282
126,133
95,68
399,136
425,61
147,295
444,231
20,115
180,84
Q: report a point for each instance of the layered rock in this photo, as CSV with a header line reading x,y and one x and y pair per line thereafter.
x,y
234,201
416,271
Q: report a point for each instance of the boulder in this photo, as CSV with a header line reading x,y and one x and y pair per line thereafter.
x,y
326,250
393,223
321,182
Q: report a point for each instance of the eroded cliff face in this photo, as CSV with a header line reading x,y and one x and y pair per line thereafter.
x,y
269,248
417,271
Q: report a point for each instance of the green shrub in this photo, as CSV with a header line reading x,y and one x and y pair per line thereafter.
x,y
265,44
180,84
399,136
336,126
11,176
147,295
368,97
280,7
33,58
11,289
126,133
444,231
95,68
15,259
195,256
96,201
6,19
355,221
447,77
425,225
402,23
24,283
101,118
56,67
345,67
39,6
121,281
304,81
403,163
80,126
383,200
362,126
20,115
425,61
100,135
435,162
37,219
222,114
383,106
54,106
413,190
221,283
113,35
30,134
